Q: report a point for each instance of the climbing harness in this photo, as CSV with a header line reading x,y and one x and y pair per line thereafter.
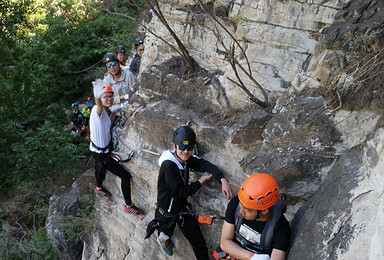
x,y
265,245
117,158
155,224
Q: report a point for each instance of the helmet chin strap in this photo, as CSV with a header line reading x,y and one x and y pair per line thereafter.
x,y
176,153
258,214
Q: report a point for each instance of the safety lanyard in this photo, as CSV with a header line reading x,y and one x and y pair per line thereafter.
x,y
183,174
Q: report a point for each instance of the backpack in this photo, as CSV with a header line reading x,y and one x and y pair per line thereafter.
x,y
266,236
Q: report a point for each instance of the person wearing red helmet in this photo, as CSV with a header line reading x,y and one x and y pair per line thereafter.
x,y
83,131
86,113
89,103
254,226
100,128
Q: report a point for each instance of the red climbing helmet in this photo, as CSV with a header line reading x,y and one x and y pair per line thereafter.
x,y
259,191
107,88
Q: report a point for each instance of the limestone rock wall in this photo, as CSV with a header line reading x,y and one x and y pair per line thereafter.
x,y
345,215
67,201
119,235
328,159
278,38
298,145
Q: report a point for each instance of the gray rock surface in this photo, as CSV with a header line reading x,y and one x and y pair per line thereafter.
x,y
278,37
297,147
67,202
326,152
345,214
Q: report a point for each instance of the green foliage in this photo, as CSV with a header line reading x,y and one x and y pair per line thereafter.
x,y
50,52
54,60
46,153
40,240
76,226
14,27
41,70
22,232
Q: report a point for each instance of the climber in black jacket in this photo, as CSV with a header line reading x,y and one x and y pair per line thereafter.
x,y
174,189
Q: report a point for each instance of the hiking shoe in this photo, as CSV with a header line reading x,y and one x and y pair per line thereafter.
x,y
167,246
102,193
133,209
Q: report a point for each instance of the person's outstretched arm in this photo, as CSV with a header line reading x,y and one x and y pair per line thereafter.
x,y
99,105
226,189
202,165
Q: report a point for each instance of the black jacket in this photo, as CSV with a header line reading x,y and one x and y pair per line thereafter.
x,y
173,187
135,64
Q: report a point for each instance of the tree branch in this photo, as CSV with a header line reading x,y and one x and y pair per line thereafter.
x,y
146,28
232,60
183,49
241,84
213,17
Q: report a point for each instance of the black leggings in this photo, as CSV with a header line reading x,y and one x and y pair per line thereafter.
x,y
105,162
191,230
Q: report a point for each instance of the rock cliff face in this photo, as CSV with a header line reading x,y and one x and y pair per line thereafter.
x,y
345,215
278,38
325,150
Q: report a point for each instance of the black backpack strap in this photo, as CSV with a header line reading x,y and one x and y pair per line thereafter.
x,y
238,219
267,234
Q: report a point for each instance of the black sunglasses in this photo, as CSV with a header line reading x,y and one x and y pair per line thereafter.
x,y
183,147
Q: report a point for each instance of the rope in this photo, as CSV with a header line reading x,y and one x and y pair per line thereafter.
x,y
114,131
81,71
142,150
